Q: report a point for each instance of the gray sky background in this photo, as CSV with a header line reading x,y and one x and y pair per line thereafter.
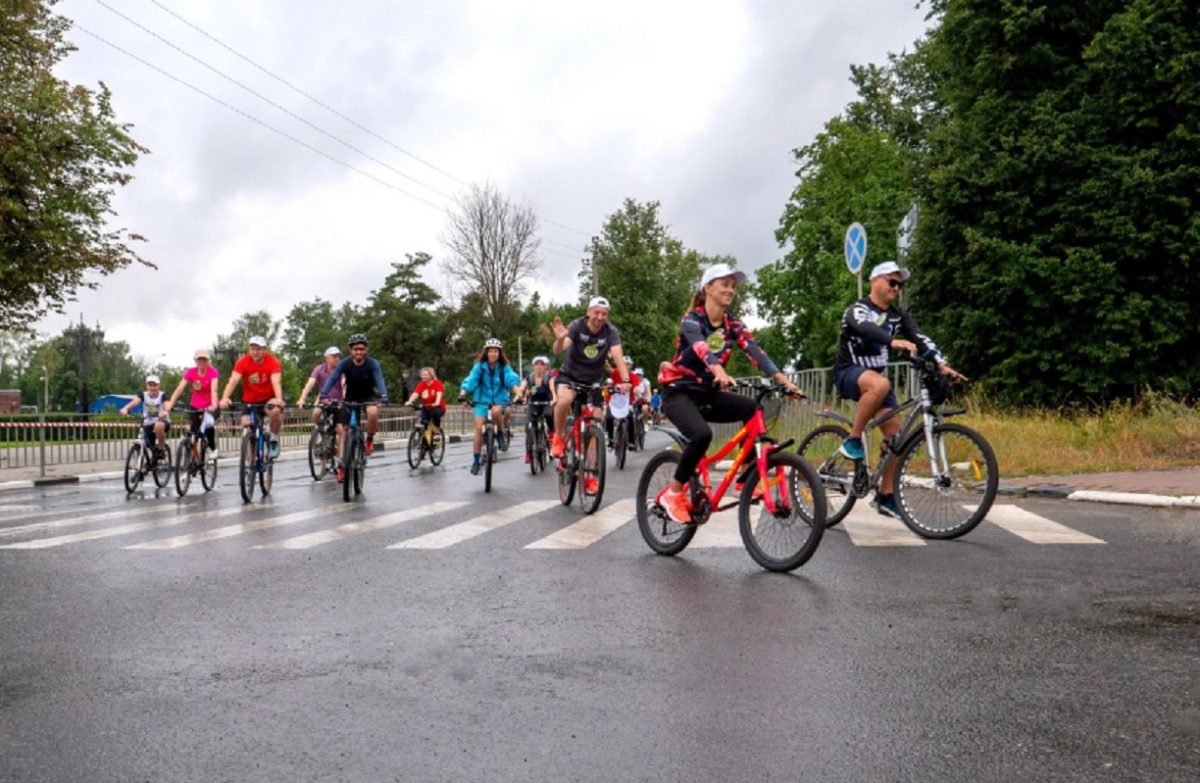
x,y
569,107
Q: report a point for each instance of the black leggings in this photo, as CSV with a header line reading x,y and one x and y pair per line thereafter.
x,y
683,408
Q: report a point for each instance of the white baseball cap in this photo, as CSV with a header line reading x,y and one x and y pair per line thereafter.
x,y
541,359
333,350
887,268
599,301
258,339
717,271
152,379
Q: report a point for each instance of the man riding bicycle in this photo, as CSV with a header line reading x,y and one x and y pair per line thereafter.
x,y
490,384
317,378
364,382
870,327
260,374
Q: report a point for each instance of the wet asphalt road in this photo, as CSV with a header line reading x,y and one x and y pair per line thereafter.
x,y
986,659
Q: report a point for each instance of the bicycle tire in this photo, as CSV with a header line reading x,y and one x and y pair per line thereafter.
x,y
163,470
820,449
489,456
266,477
415,448
799,533
919,502
567,469
316,454
592,465
542,447
437,448
360,468
133,467
208,468
349,455
662,534
531,446
247,457
620,443
183,467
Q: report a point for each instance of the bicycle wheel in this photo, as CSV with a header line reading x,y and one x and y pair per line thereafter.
x,y
489,456
661,533
531,446
820,449
266,476
947,493
208,468
133,467
247,467
641,433
415,444
437,448
591,469
349,458
785,539
183,466
163,469
568,474
316,454
360,469
620,442
542,447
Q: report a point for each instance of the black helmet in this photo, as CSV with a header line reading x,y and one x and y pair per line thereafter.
x,y
357,339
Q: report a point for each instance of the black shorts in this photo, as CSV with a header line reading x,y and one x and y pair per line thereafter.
x,y
595,396
431,414
343,415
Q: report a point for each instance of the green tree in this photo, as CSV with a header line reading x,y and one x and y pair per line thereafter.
x,y
62,156
313,326
403,323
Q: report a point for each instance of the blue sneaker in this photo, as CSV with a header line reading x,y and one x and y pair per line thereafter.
x,y
475,467
274,447
501,441
886,505
852,448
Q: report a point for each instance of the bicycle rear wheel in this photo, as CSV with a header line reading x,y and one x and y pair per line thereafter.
x,y
786,538
489,456
208,468
591,469
662,534
415,448
947,493
133,467
820,449
183,466
247,467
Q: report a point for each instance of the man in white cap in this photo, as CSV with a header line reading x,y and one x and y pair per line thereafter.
x,y
588,341
261,376
870,327
317,378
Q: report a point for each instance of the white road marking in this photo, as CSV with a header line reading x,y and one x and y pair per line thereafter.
x,y
354,528
456,534
719,532
867,527
590,529
236,530
120,530
1035,528
71,521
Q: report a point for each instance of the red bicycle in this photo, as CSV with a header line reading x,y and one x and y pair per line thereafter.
x,y
784,488
583,460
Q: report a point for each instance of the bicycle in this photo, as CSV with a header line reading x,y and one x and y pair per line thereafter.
x,y
254,454
584,453
145,458
354,449
537,444
191,456
946,474
792,518
425,440
322,443
620,428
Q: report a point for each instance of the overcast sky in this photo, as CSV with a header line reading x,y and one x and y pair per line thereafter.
x,y
696,105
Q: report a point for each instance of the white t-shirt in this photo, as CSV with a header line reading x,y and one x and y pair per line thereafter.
x,y
151,405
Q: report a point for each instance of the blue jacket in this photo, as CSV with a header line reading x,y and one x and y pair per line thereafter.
x,y
489,386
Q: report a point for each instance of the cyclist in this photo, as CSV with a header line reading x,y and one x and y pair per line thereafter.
x,y
490,383
870,327
656,405
539,392
260,374
154,414
317,378
432,395
641,397
614,378
203,380
364,380
587,341
694,381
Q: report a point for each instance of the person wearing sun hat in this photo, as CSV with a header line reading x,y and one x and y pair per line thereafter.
x,y
870,327
154,413
203,381
317,378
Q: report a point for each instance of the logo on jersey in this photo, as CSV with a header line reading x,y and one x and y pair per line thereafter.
x,y
197,386
253,377
591,351
716,341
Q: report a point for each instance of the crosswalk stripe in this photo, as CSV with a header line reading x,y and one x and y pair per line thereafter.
x,y
590,529
55,524
456,534
719,532
236,530
134,527
867,527
1035,528
353,528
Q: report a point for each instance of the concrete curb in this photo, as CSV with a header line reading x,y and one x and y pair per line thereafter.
x,y
1104,496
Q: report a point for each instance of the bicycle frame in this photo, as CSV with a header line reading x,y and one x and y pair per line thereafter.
x,y
751,433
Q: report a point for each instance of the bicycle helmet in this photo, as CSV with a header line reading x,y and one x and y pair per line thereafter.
x,y
493,342
357,339
628,362
541,359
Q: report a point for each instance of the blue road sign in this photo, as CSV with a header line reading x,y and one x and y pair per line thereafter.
x,y
856,248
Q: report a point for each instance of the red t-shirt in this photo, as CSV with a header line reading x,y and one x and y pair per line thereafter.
x,y
428,391
256,378
634,379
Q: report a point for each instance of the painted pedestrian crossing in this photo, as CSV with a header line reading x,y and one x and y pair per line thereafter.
x,y
458,522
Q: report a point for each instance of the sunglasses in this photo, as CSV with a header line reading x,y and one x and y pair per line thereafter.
x,y
892,283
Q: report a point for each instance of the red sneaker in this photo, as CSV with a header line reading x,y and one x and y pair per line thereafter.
x,y
528,458
341,474
370,447
557,447
677,506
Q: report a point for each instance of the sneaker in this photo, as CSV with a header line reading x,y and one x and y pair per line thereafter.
x,y
370,447
475,468
341,474
212,454
886,505
557,447
591,486
501,441
677,507
852,448
528,458
274,448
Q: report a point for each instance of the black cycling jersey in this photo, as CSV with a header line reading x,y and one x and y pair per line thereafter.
x,y
868,330
362,380
701,345
538,393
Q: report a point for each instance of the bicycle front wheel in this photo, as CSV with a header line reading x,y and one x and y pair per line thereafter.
x,y
208,468
542,447
163,470
437,448
820,449
183,467
489,456
591,469
531,446
316,454
247,467
349,458
662,534
568,470
783,539
133,467
360,468
945,494
415,447
620,443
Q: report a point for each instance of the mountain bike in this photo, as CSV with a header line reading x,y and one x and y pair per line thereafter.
x,y
254,453
192,457
322,443
354,449
946,474
583,461
145,458
425,440
537,444
621,417
785,488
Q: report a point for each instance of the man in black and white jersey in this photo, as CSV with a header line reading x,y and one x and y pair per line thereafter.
x,y
870,327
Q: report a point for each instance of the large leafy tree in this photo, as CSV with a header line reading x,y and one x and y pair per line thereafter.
x,y
62,156
313,326
403,322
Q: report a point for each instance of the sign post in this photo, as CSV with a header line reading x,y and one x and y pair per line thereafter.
x,y
856,252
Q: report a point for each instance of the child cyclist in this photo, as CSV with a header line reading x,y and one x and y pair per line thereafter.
x,y
489,383
432,394
538,386
203,381
154,413
694,381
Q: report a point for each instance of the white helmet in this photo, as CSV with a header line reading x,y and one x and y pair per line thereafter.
x,y
493,342
640,372
541,359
